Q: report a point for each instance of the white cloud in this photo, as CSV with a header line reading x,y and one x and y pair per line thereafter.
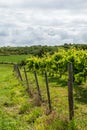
x,y
47,4
52,22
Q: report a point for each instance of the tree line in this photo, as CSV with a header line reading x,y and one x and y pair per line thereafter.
x,y
38,50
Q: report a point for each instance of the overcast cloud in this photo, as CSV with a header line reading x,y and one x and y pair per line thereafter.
x,y
47,22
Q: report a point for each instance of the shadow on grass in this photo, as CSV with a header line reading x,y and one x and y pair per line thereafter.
x,y
59,81
81,93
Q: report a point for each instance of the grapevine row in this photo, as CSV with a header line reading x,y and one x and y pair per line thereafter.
x,y
56,64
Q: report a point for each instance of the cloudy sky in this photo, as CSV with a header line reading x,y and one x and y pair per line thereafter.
x,y
42,22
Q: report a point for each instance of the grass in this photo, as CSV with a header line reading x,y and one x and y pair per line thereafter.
x,y
13,58
20,112
12,97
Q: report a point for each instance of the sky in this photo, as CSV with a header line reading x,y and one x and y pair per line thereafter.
x,y
42,22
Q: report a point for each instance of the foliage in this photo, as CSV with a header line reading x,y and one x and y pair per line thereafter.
x,y
32,50
57,63
38,50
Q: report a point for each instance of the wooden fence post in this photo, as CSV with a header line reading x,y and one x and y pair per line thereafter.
x,y
16,68
19,73
27,83
48,92
70,91
37,85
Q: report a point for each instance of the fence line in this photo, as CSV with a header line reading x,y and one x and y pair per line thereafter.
x,y
7,63
70,89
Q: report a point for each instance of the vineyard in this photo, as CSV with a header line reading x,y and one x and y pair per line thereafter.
x,y
56,65
34,92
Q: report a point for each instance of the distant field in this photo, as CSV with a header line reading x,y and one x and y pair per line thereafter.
x,y
13,58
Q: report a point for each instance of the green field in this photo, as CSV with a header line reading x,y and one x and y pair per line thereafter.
x,y
13,58
20,112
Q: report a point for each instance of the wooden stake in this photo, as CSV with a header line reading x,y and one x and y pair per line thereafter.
x,y
48,93
37,85
16,69
70,91
27,83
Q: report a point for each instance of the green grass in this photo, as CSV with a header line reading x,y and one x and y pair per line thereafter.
x,y
13,58
20,112
12,97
